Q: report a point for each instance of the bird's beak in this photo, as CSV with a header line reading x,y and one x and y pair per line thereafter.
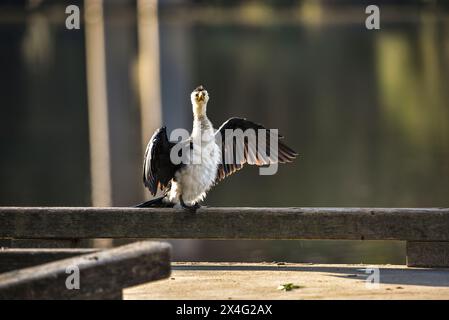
x,y
200,96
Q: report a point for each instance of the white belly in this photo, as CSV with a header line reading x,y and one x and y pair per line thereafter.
x,y
194,180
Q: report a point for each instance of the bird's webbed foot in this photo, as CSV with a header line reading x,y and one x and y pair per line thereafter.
x,y
192,208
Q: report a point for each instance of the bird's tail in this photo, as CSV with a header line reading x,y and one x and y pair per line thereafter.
x,y
155,203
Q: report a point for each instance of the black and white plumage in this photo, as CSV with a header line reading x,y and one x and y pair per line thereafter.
x,y
186,184
158,170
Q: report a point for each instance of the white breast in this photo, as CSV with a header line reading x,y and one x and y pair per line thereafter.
x,y
194,180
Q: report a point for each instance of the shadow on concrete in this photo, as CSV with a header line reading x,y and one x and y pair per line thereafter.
x,y
435,277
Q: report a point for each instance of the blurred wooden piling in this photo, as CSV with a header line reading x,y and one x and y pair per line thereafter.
x,y
149,68
97,104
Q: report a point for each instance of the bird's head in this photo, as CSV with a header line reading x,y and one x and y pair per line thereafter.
x,y
199,98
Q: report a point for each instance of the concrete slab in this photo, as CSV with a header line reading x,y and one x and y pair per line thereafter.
x,y
316,281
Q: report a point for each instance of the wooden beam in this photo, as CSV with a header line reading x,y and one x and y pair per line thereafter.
x,y
13,259
428,254
102,275
419,224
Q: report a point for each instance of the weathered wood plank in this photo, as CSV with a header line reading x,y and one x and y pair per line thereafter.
x,y
103,274
13,259
427,254
419,224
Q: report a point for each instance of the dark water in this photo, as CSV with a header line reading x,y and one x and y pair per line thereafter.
x,y
368,111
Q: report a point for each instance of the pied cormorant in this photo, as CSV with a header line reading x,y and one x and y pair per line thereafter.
x,y
185,184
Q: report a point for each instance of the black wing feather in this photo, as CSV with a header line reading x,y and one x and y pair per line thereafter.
x,y
251,154
158,170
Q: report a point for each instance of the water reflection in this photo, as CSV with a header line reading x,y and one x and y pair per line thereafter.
x,y
368,111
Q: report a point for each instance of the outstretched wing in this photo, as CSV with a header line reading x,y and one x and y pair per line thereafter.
x,y
251,153
158,170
